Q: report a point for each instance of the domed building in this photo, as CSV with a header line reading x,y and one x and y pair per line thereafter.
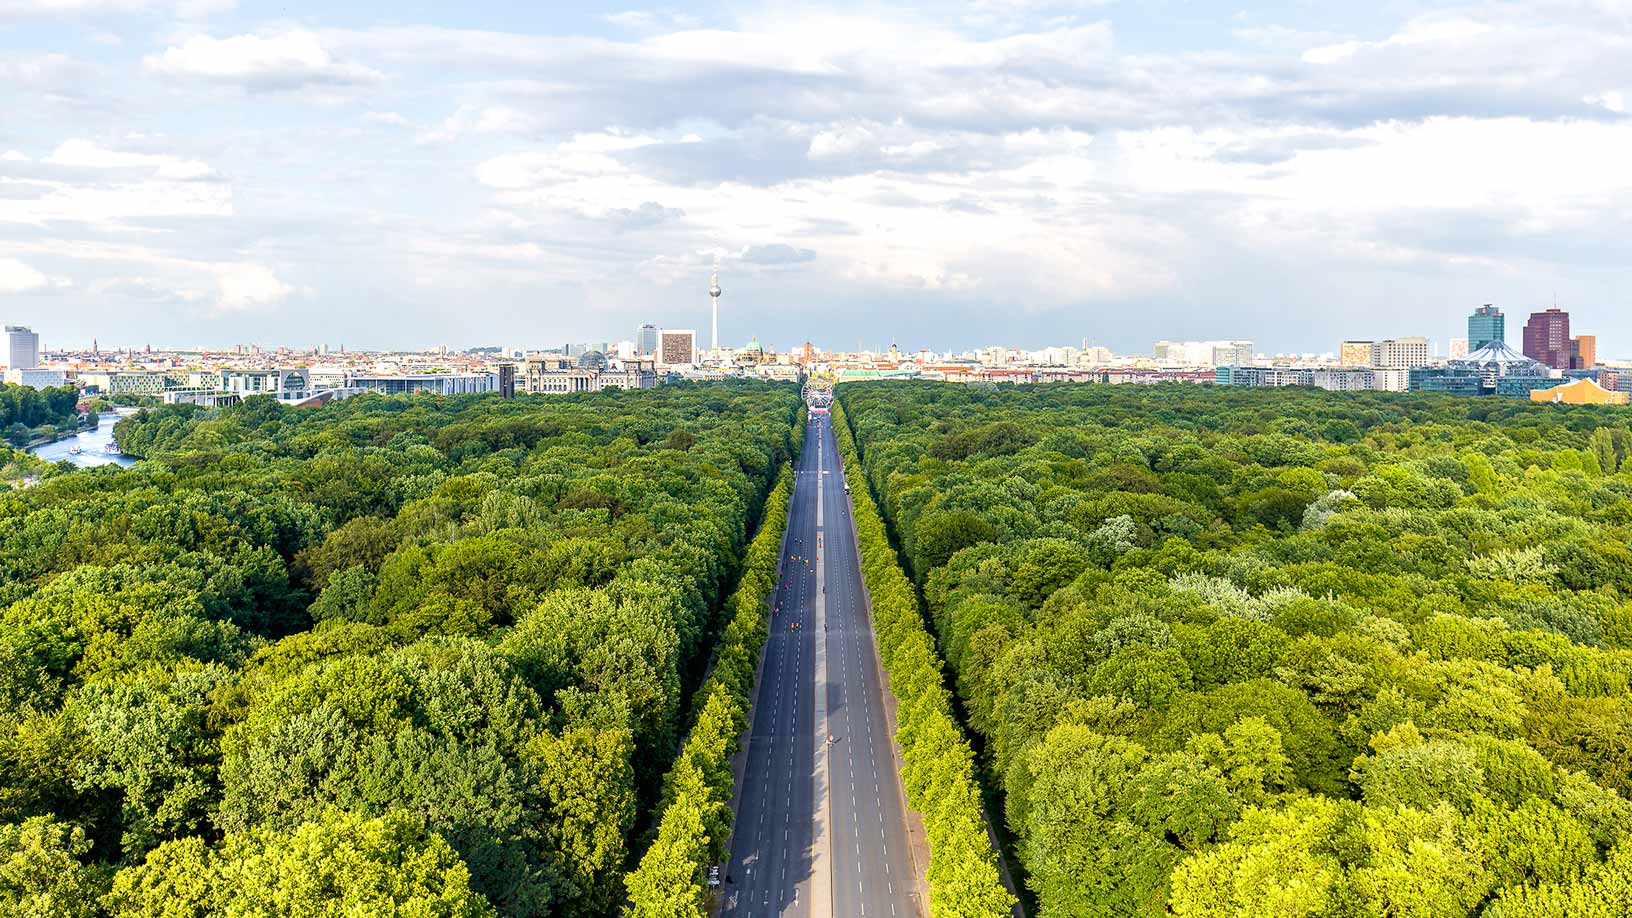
x,y
1494,369
753,354
1496,360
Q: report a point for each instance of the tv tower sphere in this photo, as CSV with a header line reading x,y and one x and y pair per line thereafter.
x,y
714,296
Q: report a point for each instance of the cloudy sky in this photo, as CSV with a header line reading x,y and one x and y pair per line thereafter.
x,y
942,174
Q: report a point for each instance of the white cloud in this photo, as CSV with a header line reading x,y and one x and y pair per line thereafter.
x,y
493,119
1025,161
647,20
124,186
17,277
287,60
246,286
203,286
1612,101
89,155
583,156
390,119
13,156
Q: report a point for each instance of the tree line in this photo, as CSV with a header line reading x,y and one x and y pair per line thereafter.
x,y
411,655
938,763
1279,652
696,818
27,412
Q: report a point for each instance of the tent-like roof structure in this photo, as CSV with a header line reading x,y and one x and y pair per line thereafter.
x,y
1498,359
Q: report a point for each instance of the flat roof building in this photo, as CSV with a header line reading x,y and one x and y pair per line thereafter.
x,y
676,347
22,348
1547,338
1487,324
429,383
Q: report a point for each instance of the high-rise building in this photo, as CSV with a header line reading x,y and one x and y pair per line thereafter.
x,y
1400,353
1459,348
1389,353
22,348
1232,354
1354,353
1487,324
1583,352
1547,338
676,347
646,340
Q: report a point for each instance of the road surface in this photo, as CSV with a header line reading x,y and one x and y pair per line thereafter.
x,y
820,828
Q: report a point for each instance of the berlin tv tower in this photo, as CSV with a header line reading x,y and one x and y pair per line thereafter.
x,y
714,294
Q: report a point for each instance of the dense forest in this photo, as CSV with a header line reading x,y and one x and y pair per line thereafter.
x,y
1254,652
418,656
27,413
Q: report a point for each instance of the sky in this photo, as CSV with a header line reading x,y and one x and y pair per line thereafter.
x,y
937,174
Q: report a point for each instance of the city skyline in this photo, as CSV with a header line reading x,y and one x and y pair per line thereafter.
x,y
1030,173
1485,324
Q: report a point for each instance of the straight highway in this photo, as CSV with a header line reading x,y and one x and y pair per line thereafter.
x,y
820,824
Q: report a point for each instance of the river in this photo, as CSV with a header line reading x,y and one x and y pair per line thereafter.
x,y
93,446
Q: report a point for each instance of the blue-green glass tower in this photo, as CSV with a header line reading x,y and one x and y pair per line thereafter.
x,y
1487,324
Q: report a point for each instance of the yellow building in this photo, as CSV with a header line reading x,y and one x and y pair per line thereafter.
x,y
1580,392
1354,354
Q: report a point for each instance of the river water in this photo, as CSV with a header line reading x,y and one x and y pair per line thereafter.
x,y
93,447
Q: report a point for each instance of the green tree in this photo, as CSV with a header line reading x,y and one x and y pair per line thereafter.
x,y
340,865
42,874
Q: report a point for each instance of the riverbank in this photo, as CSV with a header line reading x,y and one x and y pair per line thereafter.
x,y
93,443
61,435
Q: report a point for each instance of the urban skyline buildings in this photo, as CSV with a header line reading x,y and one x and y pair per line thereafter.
x,y
1547,337
679,347
1487,324
22,348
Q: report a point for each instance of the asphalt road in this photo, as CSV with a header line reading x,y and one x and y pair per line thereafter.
x,y
820,828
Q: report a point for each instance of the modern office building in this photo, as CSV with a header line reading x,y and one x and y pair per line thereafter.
x,y
1343,379
1547,338
646,340
1458,348
1400,353
1487,324
676,347
1391,379
292,384
22,348
1389,353
1263,377
37,378
135,382
1583,352
1354,353
1332,379
429,383
1233,353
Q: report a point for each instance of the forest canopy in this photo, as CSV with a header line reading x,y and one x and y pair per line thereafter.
x,y
410,655
1252,652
